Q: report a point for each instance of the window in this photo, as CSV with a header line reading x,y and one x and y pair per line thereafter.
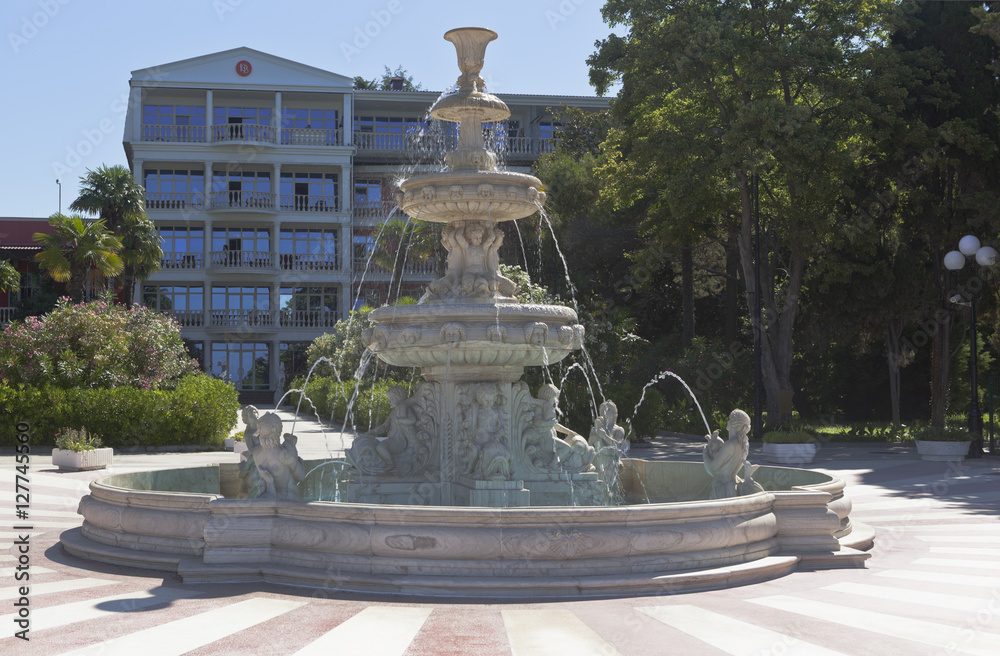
x,y
173,123
241,189
364,245
309,299
185,304
242,124
241,306
31,285
388,131
247,365
197,351
308,248
301,191
235,240
293,360
174,188
325,123
367,190
182,247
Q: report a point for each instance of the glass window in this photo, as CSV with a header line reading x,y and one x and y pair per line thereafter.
x,y
245,364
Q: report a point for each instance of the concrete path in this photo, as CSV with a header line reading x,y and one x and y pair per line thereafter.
x,y
932,585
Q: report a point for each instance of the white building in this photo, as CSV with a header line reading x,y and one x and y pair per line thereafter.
x,y
268,203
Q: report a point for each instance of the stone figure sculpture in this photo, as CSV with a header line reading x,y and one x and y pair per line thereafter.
x,y
399,443
554,446
724,458
606,437
279,469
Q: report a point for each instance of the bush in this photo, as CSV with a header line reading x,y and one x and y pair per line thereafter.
x,y
200,410
931,434
94,346
330,399
788,437
71,439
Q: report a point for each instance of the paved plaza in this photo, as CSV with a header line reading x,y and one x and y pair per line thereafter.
x,y
932,585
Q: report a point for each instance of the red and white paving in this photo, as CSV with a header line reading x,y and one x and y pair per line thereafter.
x,y
932,587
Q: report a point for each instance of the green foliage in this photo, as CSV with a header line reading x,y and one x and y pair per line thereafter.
x,y
77,251
201,410
10,279
94,345
934,434
385,82
72,439
330,398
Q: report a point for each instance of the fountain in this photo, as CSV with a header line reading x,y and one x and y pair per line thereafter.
x,y
471,487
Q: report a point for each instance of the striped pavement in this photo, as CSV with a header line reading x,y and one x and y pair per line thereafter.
x,y
932,587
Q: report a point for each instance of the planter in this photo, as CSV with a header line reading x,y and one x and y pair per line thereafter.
x,y
82,460
229,443
790,454
936,451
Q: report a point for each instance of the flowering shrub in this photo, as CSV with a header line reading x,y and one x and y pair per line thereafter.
x,y
95,345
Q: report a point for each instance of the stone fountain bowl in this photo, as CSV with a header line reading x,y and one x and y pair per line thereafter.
x,y
464,195
187,521
472,335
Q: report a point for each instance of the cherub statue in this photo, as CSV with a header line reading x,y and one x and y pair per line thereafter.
x,y
277,462
397,428
607,438
723,458
569,450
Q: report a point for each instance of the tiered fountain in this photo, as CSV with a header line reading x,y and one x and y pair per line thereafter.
x,y
499,482
473,429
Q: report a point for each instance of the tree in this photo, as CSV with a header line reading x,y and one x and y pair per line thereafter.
x,y
385,82
10,279
718,97
141,253
78,251
112,194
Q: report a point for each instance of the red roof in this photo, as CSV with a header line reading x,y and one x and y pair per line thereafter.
x,y
19,232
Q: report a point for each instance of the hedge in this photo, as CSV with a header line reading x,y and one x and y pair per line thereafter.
x,y
200,411
330,398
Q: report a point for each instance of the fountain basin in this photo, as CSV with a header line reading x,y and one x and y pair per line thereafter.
x,y
183,521
463,195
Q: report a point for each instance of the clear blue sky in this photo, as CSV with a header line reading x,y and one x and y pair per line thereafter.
x,y
66,63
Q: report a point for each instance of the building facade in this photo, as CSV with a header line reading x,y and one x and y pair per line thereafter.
x,y
268,181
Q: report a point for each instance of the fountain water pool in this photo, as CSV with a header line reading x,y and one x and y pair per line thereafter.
x,y
470,488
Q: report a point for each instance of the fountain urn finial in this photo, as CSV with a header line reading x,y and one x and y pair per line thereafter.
x,y
470,42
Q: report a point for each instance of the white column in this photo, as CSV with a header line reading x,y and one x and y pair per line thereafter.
x,y
137,172
346,266
207,247
208,186
276,121
348,119
135,96
276,187
209,114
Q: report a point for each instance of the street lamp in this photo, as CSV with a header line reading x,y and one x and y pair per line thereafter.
x,y
985,256
60,195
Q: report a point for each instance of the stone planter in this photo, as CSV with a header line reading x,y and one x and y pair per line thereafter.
x,y
229,443
790,454
82,460
936,451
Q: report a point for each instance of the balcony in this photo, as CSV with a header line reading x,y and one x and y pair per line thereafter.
x,y
309,261
309,137
304,203
181,261
243,133
247,261
308,319
417,269
521,148
266,319
189,318
243,200
178,200
373,210
427,143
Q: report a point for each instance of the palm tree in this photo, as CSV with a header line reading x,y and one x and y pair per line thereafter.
x,y
10,279
78,251
112,193
141,253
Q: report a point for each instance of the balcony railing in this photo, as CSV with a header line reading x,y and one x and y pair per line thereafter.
x,y
181,261
430,143
309,261
189,318
6,315
248,200
373,209
527,146
309,137
177,133
237,318
258,260
242,133
304,203
177,200
308,319
420,269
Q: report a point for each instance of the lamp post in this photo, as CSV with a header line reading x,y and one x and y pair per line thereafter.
x,y
985,256
59,184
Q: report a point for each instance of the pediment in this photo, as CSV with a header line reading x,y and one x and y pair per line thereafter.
x,y
220,69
